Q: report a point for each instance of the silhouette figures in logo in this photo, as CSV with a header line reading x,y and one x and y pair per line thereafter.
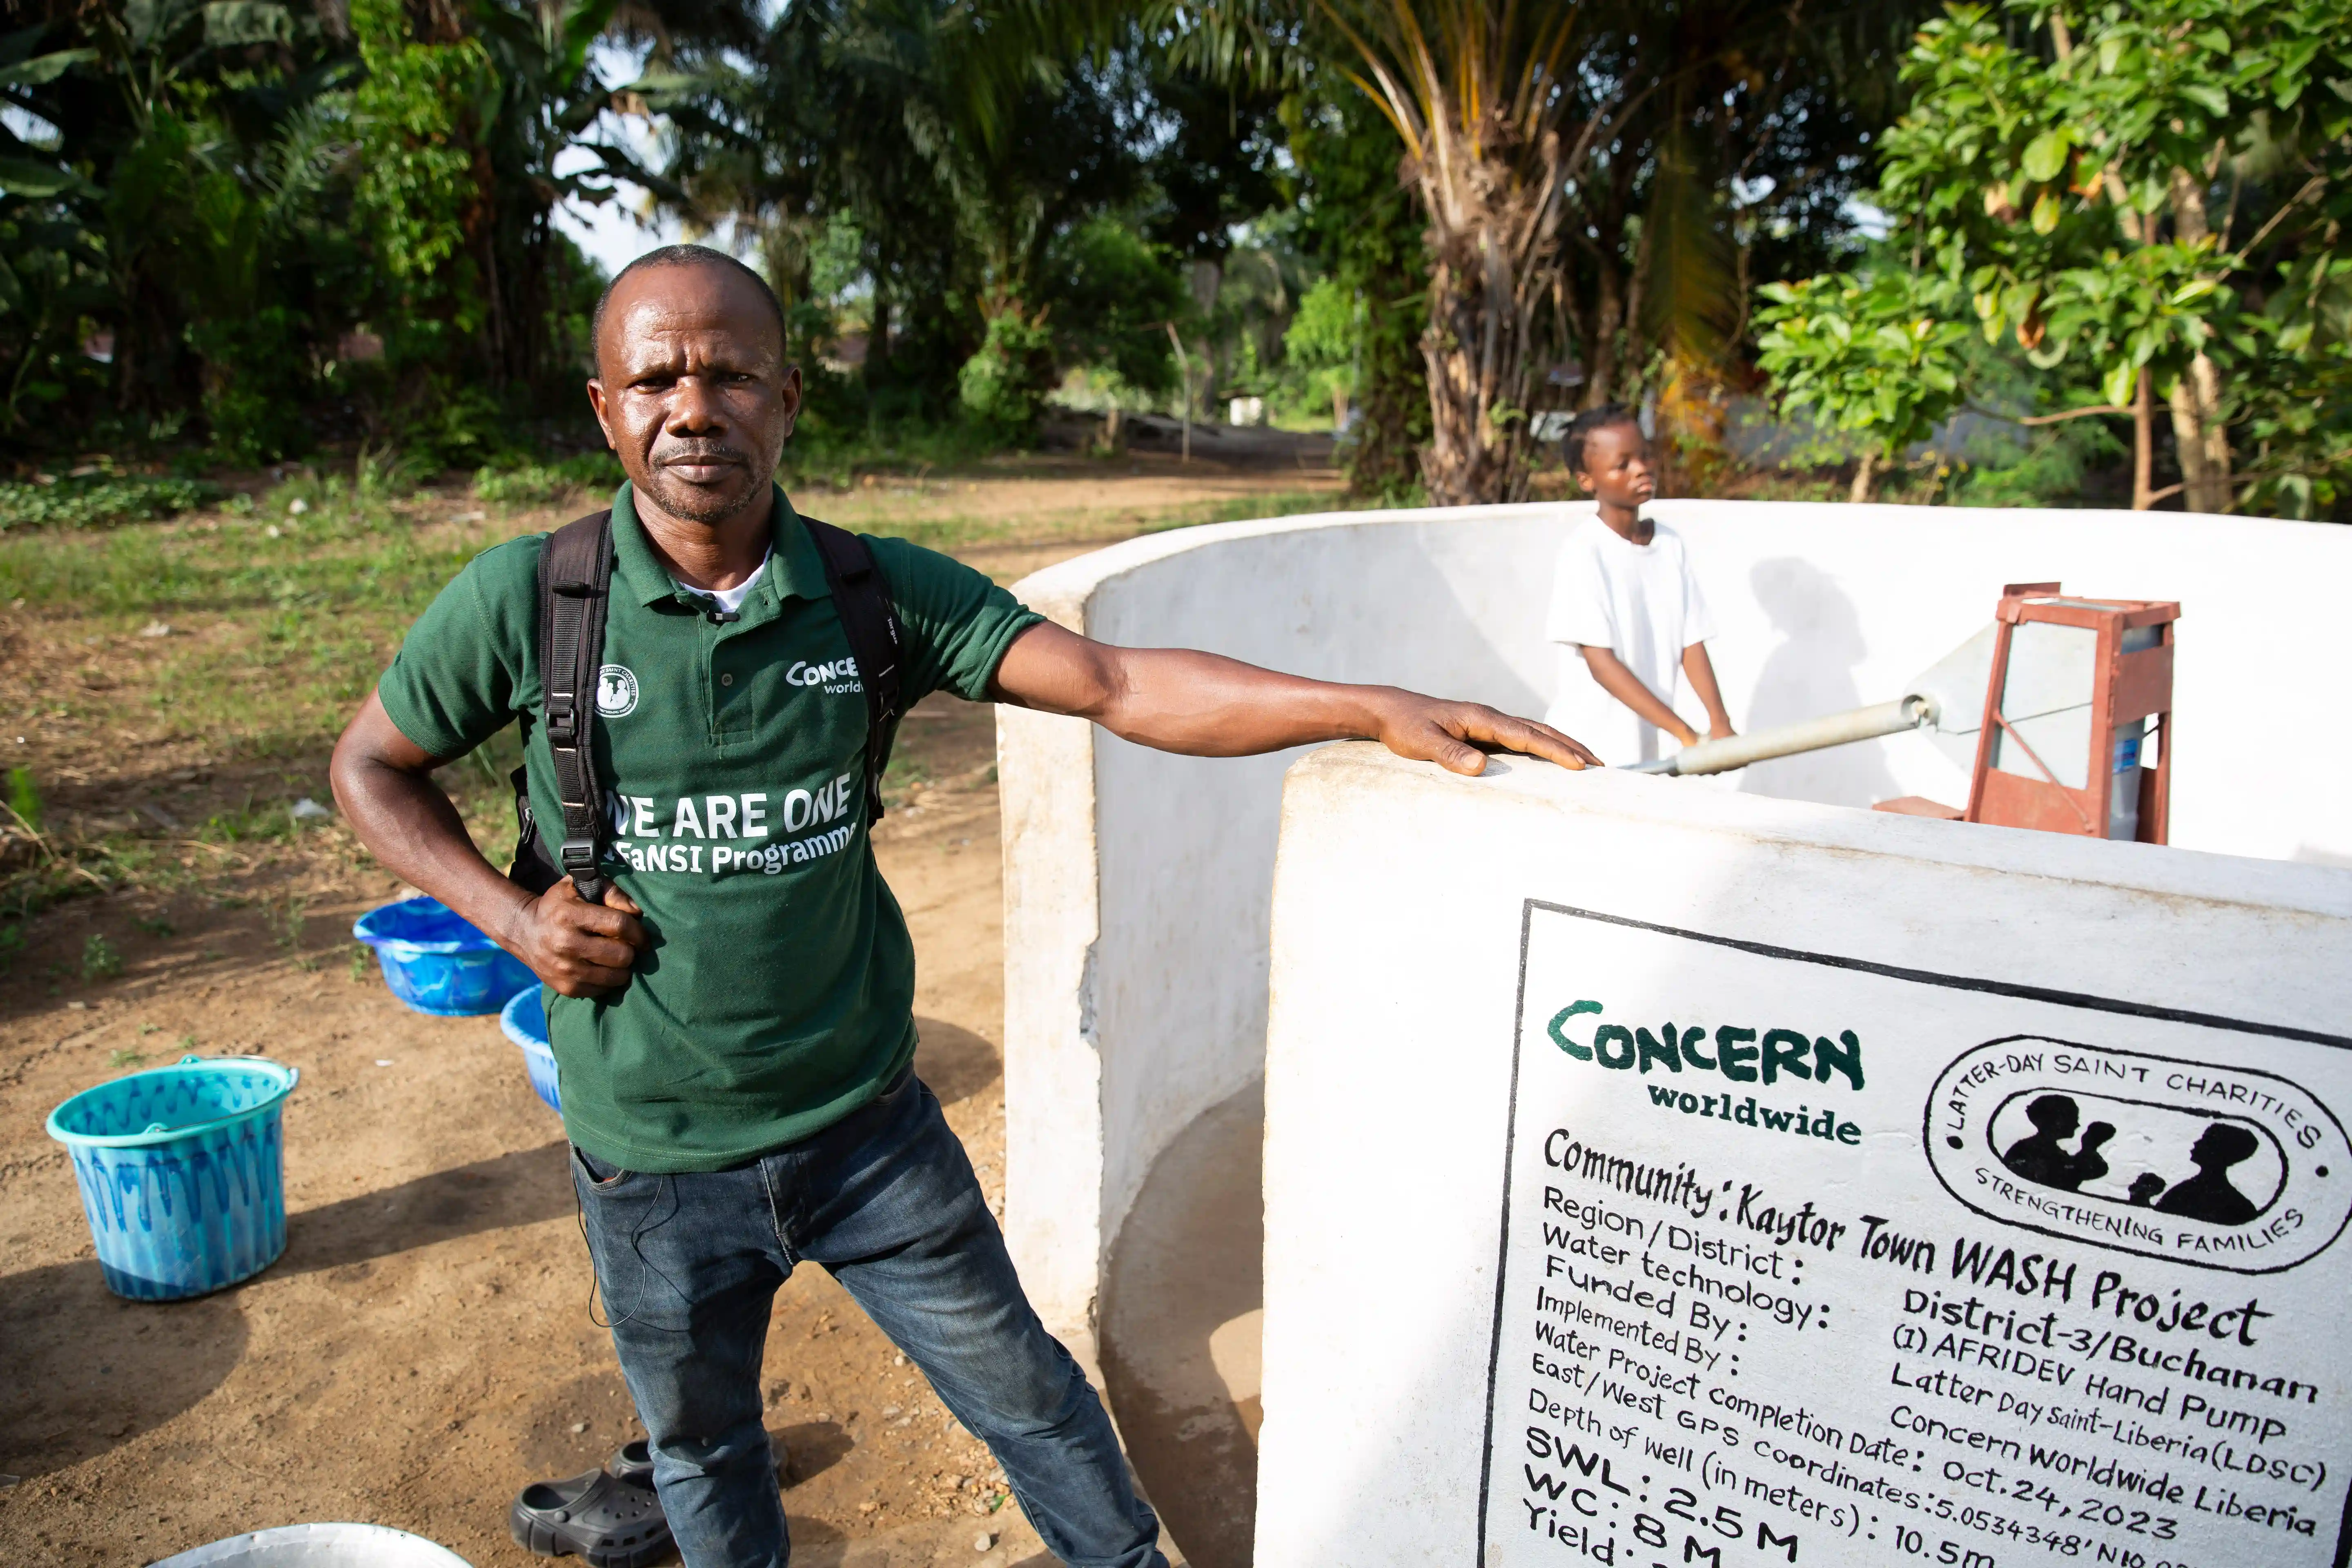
x,y
615,695
2042,1157
2209,1195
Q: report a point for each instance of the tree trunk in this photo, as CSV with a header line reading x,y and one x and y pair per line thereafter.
x,y
1636,362
1607,316
2143,446
877,367
2220,492
2200,438
1492,231
2196,429
1866,478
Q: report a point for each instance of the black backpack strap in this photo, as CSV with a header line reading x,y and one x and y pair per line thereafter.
x,y
861,597
576,577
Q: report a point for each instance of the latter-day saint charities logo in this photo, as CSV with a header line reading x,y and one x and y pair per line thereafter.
x,y
616,691
2221,1167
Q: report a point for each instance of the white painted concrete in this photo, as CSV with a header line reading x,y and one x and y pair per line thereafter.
x,y
1397,964
1137,884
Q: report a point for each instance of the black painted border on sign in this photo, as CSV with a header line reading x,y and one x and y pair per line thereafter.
x,y
2343,1556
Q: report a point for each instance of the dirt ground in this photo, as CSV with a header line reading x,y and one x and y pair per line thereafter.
x,y
429,1342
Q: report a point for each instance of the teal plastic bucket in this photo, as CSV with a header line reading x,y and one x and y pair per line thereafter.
x,y
182,1173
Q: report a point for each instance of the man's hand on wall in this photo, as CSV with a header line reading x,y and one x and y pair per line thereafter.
x,y
1205,705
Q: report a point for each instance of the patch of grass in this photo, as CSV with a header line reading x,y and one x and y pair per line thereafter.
x,y
541,484
339,504
126,1058
24,799
821,453
99,501
1245,508
100,961
246,825
285,921
156,926
360,962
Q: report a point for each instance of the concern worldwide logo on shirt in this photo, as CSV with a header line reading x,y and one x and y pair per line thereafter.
x,y
616,691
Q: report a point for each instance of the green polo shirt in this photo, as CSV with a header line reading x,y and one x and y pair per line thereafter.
x,y
778,993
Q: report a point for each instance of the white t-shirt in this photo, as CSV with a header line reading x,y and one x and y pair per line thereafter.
x,y
731,600
1643,603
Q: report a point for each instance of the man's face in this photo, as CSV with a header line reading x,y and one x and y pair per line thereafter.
x,y
1617,465
692,389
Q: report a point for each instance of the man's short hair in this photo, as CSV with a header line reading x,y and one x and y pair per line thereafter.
x,y
1571,445
685,256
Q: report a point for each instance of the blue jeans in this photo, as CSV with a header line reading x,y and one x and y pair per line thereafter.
x,y
689,1265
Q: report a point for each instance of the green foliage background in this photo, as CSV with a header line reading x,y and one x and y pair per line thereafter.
x,y
237,231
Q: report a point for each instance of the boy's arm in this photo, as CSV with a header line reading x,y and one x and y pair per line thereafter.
x,y
1699,671
1626,686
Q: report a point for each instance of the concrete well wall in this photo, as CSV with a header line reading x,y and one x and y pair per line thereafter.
x,y
1493,1336
1137,885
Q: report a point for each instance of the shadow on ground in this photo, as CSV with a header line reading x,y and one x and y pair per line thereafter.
x,y
956,1063
517,1189
66,1330
66,1333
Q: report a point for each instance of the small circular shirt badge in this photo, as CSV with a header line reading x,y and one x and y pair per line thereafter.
x,y
616,691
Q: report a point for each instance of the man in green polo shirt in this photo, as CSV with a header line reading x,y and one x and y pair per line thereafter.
x,y
733,1023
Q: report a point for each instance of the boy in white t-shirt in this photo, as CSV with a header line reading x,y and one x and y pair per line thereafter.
x,y
1625,607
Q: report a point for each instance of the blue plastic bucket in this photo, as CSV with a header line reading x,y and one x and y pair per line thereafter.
x,y
182,1173
524,1021
438,963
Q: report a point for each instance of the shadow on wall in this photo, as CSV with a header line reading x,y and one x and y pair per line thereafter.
x,y
1183,1318
1185,846
1491,678
1810,673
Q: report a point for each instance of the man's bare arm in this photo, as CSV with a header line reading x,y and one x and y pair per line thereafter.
x,y
1625,686
382,781
1206,706
1699,671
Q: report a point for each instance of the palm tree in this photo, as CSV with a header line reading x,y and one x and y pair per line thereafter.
x,y
958,137
1492,130
1572,161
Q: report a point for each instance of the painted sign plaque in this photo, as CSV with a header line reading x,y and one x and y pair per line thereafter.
x,y
1810,1260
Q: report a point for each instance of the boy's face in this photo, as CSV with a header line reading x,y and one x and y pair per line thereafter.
x,y
1617,466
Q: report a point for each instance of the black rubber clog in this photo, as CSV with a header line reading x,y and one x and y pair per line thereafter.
x,y
633,1462
611,1523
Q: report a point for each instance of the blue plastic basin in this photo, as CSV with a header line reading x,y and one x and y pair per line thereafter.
x,y
182,1173
438,963
524,1021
